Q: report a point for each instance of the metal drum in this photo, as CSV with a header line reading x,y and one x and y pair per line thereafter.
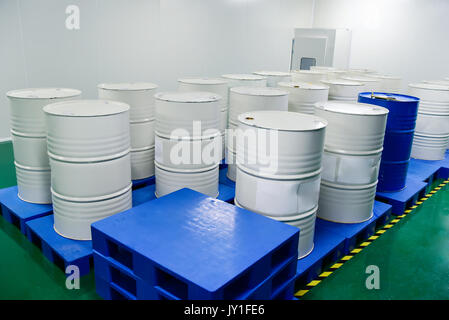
x,y
29,138
390,84
188,142
244,99
439,82
360,72
238,80
344,90
351,158
274,77
279,164
398,137
432,125
140,97
91,168
314,76
218,86
371,84
303,96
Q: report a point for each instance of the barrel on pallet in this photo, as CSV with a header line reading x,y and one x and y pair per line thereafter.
x,y
278,168
398,139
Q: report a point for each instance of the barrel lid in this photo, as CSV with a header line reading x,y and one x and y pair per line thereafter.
x,y
323,68
342,82
210,81
260,91
360,79
351,108
429,86
384,76
128,86
272,73
282,120
243,77
322,72
362,70
388,96
188,97
86,108
43,93
303,85
440,82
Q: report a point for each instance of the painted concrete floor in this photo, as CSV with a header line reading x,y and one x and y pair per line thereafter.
x,y
412,257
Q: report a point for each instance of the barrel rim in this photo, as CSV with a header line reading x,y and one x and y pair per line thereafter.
x,y
303,85
26,135
147,148
360,79
342,82
189,96
203,81
87,112
185,170
429,86
267,176
259,91
89,159
28,168
368,95
13,94
127,86
320,72
267,73
249,119
384,76
360,109
92,199
243,76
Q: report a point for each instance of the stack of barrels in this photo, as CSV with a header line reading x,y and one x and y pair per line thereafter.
x,y
188,142
140,98
218,86
278,168
274,77
398,137
352,152
302,96
244,99
432,125
344,90
88,146
29,139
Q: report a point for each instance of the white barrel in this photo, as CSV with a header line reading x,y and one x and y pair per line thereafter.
x,y
142,163
336,74
201,180
359,71
371,84
249,80
139,96
439,82
314,76
342,204
432,123
244,99
190,154
29,140
142,134
195,114
33,185
389,84
274,77
351,159
78,216
303,96
26,107
231,157
278,167
88,145
344,90
322,68
353,128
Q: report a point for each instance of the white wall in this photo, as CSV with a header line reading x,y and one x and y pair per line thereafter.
x,y
409,38
141,40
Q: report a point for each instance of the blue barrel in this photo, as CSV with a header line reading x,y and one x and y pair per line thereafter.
x,y
398,137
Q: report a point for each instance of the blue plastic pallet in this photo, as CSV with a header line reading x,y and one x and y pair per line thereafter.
x,y
401,200
17,211
146,193
356,232
196,247
328,248
128,286
429,170
59,250
143,182
223,179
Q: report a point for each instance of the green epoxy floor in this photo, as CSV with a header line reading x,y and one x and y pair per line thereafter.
x,y
413,259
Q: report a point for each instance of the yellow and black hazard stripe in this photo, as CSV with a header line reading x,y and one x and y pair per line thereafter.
x,y
366,243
